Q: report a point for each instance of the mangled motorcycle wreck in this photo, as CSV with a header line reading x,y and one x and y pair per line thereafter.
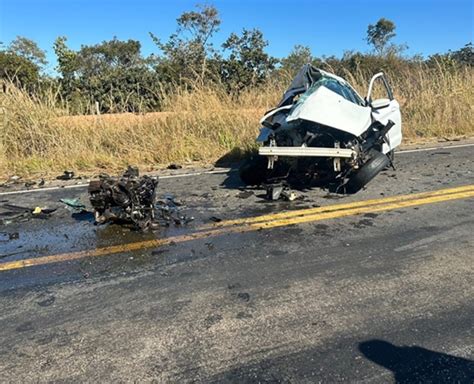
x,y
129,198
323,133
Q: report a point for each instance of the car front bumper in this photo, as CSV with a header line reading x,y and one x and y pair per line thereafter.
x,y
307,152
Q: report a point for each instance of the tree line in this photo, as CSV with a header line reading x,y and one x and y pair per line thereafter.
x,y
115,74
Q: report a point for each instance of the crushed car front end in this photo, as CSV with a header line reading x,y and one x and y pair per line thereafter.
x,y
323,131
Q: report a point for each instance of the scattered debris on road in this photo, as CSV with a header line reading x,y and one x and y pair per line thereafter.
x,y
13,213
34,184
169,211
74,204
175,166
67,175
279,191
12,180
15,180
7,236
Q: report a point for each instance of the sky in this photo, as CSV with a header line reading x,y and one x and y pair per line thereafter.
x,y
327,27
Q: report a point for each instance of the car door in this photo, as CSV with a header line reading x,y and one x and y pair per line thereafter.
x,y
386,109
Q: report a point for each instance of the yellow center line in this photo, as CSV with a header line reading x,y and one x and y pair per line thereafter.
x,y
336,207
360,210
256,223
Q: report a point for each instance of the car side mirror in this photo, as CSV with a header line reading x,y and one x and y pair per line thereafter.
x,y
380,103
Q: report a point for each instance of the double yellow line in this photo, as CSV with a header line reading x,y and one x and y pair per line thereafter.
x,y
339,210
261,222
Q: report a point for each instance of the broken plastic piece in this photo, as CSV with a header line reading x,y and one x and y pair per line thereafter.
x,y
7,236
67,175
280,191
74,204
274,191
288,194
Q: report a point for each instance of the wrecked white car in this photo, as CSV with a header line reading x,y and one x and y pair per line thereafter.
x,y
322,131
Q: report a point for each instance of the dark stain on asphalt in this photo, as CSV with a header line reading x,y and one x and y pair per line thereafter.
x,y
371,215
83,216
159,252
25,327
244,194
321,227
212,320
277,252
46,302
244,315
364,223
293,230
244,296
333,196
45,340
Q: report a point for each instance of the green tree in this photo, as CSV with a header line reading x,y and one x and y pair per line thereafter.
x,y
67,64
464,55
380,33
94,60
186,54
299,56
113,73
18,70
29,50
453,59
248,64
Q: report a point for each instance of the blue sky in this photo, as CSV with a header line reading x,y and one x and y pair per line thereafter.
x,y
327,27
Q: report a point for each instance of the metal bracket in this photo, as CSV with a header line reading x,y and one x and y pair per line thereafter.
x,y
337,160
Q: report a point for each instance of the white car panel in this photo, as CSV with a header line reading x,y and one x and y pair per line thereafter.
x,y
328,108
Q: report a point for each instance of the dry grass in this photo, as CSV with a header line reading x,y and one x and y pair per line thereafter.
x,y
200,125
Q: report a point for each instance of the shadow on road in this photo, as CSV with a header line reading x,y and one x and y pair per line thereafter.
x,y
408,365
296,179
418,365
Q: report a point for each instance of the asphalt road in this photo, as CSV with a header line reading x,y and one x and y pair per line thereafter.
x,y
376,287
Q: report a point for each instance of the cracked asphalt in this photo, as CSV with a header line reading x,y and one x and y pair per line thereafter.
x,y
377,296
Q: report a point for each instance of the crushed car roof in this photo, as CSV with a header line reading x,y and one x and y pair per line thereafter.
x,y
303,80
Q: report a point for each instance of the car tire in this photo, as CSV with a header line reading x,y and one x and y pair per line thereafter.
x,y
378,162
253,170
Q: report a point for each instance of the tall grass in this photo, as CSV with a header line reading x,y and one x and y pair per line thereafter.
x,y
201,125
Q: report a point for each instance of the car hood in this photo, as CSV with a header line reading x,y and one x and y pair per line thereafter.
x,y
326,107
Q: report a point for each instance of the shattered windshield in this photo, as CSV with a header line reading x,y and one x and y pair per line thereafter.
x,y
334,85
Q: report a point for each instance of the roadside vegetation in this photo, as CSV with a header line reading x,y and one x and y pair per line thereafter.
x,y
109,106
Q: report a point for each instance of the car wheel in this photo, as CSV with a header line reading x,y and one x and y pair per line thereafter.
x,y
253,170
367,172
